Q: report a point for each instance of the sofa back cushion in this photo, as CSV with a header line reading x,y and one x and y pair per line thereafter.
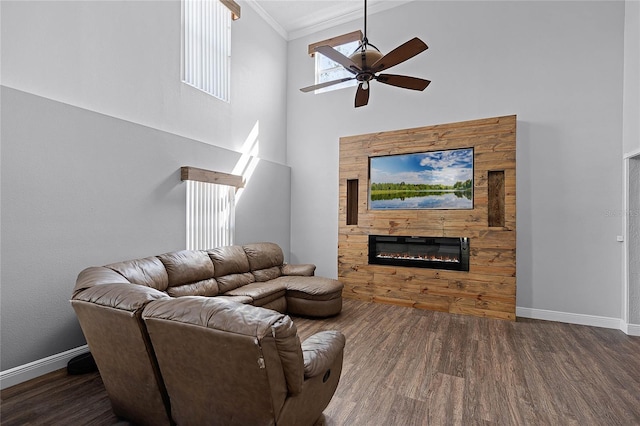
x,y
265,260
190,273
233,281
231,267
262,275
149,272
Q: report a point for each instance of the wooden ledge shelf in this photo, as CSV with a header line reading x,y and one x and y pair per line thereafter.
x,y
208,176
336,41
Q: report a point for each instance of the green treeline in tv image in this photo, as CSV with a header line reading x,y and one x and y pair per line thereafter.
x,y
426,180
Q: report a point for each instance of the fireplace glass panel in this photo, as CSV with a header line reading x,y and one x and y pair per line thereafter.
x,y
422,252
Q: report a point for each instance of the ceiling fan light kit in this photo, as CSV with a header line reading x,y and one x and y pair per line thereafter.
x,y
367,62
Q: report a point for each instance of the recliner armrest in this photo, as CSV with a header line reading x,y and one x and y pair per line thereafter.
x,y
304,270
128,297
320,350
97,275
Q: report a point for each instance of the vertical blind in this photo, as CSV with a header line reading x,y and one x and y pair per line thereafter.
x,y
210,215
207,46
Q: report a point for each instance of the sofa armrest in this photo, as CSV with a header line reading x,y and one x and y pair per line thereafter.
x,y
320,350
304,270
97,275
127,297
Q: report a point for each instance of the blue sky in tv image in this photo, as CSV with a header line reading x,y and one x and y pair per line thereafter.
x,y
427,180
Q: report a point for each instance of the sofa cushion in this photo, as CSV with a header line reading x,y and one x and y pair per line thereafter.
x,y
229,282
267,274
200,288
245,300
190,273
311,288
229,260
231,267
261,293
263,255
149,272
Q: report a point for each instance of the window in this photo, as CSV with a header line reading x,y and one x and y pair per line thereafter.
x,y
206,45
211,211
210,207
328,70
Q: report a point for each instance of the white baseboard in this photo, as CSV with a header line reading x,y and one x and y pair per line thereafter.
x,y
37,368
631,154
631,329
581,319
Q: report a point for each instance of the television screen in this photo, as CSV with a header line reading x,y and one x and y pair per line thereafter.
x,y
425,180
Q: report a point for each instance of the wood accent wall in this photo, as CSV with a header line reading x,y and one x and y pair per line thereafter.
x,y
489,288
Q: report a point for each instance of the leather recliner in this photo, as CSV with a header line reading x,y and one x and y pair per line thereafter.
x,y
227,363
109,301
111,319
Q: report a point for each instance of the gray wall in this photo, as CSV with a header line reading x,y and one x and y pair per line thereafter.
x,y
122,58
557,65
95,126
80,189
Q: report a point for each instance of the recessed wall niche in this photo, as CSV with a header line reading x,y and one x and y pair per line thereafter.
x,y
352,201
488,288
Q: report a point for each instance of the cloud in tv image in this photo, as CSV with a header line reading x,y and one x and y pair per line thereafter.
x,y
426,180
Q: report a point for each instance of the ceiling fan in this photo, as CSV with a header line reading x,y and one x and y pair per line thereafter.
x,y
367,61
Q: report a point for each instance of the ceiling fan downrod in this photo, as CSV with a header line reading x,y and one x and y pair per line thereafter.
x,y
365,40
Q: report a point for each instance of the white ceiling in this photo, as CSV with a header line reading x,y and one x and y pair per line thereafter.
x,y
297,18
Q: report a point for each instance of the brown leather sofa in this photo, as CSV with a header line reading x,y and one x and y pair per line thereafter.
x,y
180,289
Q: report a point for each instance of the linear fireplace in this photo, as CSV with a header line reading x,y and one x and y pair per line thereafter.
x,y
422,252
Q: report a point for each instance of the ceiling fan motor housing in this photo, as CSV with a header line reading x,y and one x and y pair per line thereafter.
x,y
364,59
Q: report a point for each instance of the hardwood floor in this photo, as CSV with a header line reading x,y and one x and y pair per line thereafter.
x,y
405,366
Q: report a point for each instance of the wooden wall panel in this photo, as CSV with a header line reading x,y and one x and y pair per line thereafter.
x,y
489,288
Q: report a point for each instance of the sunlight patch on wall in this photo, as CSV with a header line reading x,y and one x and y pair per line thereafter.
x,y
249,160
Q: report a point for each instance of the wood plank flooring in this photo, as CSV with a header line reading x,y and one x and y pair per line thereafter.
x,y
405,366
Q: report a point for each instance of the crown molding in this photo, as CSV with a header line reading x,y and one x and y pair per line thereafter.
x,y
253,4
356,14
326,24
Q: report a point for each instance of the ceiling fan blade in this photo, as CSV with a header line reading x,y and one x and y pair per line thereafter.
x,y
325,84
362,96
403,81
400,54
338,57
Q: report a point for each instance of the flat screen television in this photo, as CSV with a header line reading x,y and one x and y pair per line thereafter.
x,y
424,180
